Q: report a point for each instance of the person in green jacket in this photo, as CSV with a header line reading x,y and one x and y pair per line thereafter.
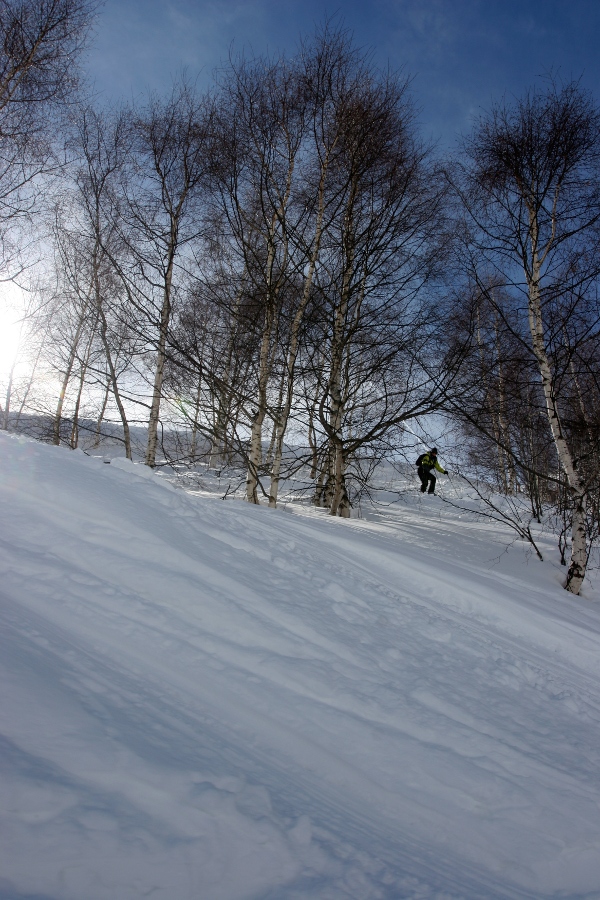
x,y
426,463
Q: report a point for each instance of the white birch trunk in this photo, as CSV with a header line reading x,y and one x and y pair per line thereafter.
x,y
8,396
264,369
340,504
284,414
273,288
578,562
161,357
255,451
107,349
101,415
334,485
75,426
65,382
223,400
277,419
194,441
84,367
337,494
115,385
31,380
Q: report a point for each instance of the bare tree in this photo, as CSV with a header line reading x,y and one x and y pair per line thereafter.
x,y
260,131
72,320
40,41
163,201
327,203
381,249
530,186
102,142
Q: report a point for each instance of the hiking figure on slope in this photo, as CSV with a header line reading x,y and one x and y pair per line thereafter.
x,y
426,462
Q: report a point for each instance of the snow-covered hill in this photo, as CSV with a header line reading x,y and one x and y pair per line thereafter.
x,y
206,701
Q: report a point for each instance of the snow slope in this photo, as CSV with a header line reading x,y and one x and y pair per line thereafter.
x,y
207,701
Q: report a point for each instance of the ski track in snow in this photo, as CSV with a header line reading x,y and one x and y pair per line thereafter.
x,y
208,701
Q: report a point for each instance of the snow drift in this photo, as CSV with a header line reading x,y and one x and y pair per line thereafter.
x,y
211,701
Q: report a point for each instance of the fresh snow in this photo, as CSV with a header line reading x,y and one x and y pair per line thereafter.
x,y
204,700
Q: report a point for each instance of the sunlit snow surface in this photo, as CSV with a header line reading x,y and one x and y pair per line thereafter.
x,y
201,700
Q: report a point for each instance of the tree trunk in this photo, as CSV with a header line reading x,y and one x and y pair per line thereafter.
x,y
284,413
319,495
273,288
107,349
578,562
340,504
275,442
264,366
6,421
505,458
255,454
75,423
115,386
84,367
161,357
336,486
65,382
101,415
31,380
280,429
194,440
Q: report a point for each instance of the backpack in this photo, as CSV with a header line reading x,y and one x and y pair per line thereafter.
x,y
420,459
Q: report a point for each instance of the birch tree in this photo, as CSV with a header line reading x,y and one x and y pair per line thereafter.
x,y
531,195
40,44
73,323
91,241
383,246
163,203
324,193
325,67
261,126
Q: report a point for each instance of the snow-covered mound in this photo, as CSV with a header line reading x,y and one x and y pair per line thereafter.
x,y
206,701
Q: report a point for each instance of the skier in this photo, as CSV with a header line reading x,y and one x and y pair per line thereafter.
x,y
426,462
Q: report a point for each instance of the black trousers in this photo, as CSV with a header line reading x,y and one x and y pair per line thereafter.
x,y
427,479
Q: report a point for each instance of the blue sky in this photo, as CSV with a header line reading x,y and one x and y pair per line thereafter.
x,y
461,53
